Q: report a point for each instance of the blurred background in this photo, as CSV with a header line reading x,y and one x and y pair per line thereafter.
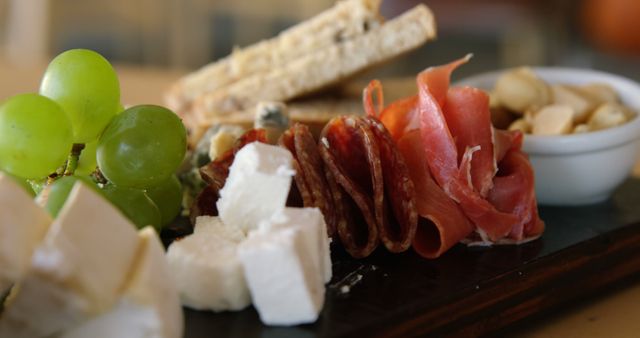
x,y
182,35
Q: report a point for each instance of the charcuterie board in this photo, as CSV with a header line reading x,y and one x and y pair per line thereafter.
x,y
469,291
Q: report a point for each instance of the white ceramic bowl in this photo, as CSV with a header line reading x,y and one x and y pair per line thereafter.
x,y
582,168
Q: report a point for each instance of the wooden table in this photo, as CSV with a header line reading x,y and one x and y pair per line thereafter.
x,y
612,313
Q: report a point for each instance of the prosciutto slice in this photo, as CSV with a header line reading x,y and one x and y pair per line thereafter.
x,y
442,223
373,185
481,173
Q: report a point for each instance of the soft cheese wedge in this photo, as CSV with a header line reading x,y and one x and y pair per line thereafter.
x,y
78,270
258,185
149,307
285,264
206,268
23,224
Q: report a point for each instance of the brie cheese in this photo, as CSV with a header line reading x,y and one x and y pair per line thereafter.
x,y
23,224
78,270
149,306
206,268
284,263
258,185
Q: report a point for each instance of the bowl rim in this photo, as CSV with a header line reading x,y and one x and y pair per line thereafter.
x,y
626,88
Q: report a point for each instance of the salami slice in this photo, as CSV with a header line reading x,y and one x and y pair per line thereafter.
x,y
351,154
310,179
373,185
205,203
396,208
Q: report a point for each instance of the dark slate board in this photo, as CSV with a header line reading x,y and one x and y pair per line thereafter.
x,y
468,291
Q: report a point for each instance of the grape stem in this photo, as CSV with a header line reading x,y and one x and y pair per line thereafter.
x,y
72,161
98,177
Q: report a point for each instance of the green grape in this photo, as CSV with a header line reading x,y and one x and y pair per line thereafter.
x,y
135,205
142,147
35,136
22,182
168,198
58,192
87,88
87,163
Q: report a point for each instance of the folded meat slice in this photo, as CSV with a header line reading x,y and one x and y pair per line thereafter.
x,y
505,141
398,117
466,111
442,223
475,173
373,185
513,192
310,180
395,209
351,154
442,152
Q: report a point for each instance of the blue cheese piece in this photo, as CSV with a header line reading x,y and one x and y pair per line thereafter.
x,y
273,117
285,265
257,187
23,225
149,305
206,268
77,271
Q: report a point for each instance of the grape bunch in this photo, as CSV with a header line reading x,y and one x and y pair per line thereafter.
x,y
75,129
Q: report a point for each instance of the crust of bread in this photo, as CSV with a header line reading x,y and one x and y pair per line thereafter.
x,y
345,20
317,70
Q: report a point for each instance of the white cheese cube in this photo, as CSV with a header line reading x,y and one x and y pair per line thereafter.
x,y
314,231
77,271
258,185
23,225
149,306
284,271
206,268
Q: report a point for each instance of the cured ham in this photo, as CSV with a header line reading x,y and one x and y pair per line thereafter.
x,y
442,223
373,184
445,134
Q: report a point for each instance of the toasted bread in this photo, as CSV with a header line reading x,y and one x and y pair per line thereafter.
x,y
343,21
321,68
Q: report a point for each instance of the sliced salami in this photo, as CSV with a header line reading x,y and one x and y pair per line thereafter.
x,y
350,153
396,208
373,185
310,180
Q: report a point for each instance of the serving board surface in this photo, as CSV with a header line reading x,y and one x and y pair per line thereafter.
x,y
468,291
